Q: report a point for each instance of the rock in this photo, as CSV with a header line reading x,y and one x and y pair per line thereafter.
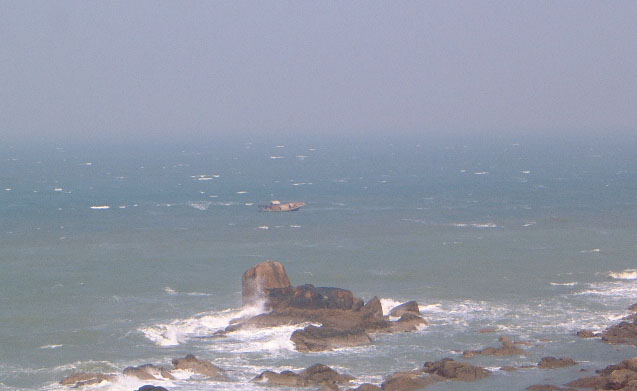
x,y
366,387
487,331
201,367
85,378
620,378
585,334
410,306
149,372
285,378
633,308
316,339
508,349
374,307
261,278
454,370
149,387
552,362
624,333
316,375
408,322
403,381
319,374
596,382
508,368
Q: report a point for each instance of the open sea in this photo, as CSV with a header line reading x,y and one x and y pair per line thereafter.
x,y
120,255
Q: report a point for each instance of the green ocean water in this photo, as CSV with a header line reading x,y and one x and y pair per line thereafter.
x,y
119,255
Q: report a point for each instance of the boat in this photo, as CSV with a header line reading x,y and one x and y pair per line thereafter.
x,y
278,206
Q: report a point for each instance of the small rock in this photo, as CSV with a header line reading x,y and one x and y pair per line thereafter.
x,y
85,378
552,362
201,367
149,387
454,370
285,378
149,372
366,387
316,339
585,334
408,322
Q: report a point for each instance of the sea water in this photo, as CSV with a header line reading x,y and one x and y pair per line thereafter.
x,y
120,255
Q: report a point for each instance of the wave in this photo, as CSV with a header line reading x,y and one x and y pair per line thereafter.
x,y
628,274
200,205
476,225
100,207
563,283
204,325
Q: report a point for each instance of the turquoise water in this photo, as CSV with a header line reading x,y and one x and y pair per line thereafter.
x,y
535,238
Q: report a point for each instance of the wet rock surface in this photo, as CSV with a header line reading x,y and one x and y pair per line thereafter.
x,y
81,379
408,307
316,339
454,370
202,367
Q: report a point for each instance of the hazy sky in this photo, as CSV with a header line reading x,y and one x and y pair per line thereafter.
x,y
202,68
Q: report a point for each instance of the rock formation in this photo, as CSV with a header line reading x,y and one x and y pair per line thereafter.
x,y
622,376
408,307
344,318
259,280
85,378
202,367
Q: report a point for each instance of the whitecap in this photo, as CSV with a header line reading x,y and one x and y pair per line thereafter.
x,y
628,274
595,250
530,223
199,205
58,189
481,173
526,172
563,283
263,227
52,346
276,157
301,157
295,226
242,192
170,290
475,225
100,207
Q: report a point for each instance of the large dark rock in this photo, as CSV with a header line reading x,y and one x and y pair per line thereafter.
x,y
285,379
405,381
410,306
150,387
202,367
149,372
316,339
259,280
625,332
85,378
508,349
622,376
366,387
552,362
319,374
454,370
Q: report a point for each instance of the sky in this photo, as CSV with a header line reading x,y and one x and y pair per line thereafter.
x,y
203,69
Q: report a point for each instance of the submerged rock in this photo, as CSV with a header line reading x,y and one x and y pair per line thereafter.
x,y
508,349
454,370
552,362
202,367
316,339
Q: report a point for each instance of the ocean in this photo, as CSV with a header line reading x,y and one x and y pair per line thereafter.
x,y
117,255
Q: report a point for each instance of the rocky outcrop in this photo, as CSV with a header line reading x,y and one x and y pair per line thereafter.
x,y
508,349
408,307
454,370
201,367
548,387
624,333
85,378
344,318
149,372
622,376
316,339
261,279
366,387
316,375
552,362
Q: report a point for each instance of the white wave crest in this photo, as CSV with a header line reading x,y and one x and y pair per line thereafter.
x,y
388,305
563,283
476,225
200,205
203,325
628,274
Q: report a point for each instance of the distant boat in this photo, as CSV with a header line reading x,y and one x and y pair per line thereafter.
x,y
278,206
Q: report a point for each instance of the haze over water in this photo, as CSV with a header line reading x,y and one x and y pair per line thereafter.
x,y
134,255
